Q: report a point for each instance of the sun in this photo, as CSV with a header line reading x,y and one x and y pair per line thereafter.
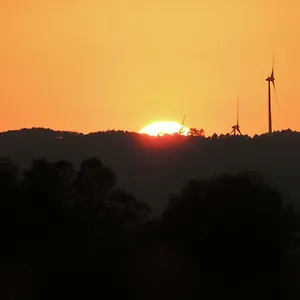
x,y
167,127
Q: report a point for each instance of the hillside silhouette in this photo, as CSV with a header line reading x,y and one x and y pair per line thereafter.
x,y
152,167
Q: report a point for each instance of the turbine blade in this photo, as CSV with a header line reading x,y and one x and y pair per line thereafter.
x,y
276,95
272,74
239,131
183,121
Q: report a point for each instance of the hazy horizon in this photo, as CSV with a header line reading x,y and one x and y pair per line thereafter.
x,y
137,132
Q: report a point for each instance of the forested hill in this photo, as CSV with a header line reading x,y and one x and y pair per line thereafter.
x,y
153,167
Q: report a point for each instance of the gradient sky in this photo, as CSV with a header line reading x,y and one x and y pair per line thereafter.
x,y
90,65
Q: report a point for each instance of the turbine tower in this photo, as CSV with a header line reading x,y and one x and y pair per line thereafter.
x,y
270,79
236,127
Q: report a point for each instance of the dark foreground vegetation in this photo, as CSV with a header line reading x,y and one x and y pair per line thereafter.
x,y
69,234
152,167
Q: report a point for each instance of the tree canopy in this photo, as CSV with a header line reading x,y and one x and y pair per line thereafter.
x,y
74,233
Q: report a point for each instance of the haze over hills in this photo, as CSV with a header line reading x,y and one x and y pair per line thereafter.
x,y
153,167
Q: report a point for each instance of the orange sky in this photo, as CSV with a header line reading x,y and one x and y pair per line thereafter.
x,y
90,65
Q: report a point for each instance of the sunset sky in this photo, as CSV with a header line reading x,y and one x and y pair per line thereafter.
x,y
91,65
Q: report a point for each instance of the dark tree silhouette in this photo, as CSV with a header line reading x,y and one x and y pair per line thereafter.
x,y
57,220
76,234
93,184
196,132
9,193
235,231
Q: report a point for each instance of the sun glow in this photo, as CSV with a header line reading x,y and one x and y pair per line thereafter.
x,y
161,128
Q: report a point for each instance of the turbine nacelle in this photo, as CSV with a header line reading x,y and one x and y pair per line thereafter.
x,y
270,78
236,130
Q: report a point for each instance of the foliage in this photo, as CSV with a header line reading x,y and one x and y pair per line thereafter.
x,y
196,132
55,219
236,229
76,234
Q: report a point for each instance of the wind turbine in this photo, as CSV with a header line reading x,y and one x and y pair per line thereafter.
x,y
181,130
270,79
236,127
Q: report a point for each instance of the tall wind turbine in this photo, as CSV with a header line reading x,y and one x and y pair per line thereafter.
x,y
236,127
270,79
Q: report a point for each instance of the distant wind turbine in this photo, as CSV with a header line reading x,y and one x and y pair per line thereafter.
x,y
236,127
182,129
270,79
